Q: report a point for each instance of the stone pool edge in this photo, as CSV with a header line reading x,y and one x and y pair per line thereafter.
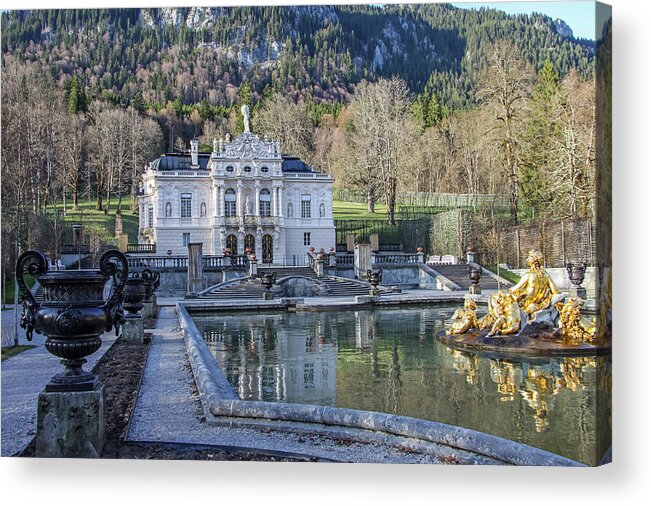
x,y
220,402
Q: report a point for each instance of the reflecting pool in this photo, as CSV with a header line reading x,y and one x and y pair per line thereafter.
x,y
389,360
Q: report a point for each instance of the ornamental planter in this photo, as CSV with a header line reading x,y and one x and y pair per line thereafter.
x,y
73,313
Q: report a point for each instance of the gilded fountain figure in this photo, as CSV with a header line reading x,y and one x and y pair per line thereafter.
x,y
503,316
464,318
536,289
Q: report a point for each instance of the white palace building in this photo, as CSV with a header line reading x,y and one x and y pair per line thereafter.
x,y
245,195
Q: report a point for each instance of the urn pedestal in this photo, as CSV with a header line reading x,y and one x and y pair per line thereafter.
x,y
133,328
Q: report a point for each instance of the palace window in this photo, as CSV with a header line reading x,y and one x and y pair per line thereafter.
x,y
307,238
247,169
265,203
186,205
230,203
264,169
306,205
150,215
186,238
230,168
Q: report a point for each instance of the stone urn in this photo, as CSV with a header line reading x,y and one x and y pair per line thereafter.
x,y
134,295
73,313
268,280
374,277
576,272
474,274
151,280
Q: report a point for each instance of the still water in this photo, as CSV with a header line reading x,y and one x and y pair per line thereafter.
x,y
388,360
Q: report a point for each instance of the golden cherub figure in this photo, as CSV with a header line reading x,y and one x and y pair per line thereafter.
x,y
464,318
535,289
503,314
575,327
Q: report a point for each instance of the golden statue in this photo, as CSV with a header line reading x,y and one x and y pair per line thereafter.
x,y
465,318
535,289
503,315
575,327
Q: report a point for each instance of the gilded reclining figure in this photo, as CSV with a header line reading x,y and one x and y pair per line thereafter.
x,y
536,288
503,315
464,318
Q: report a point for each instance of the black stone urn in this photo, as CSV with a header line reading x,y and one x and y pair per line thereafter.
x,y
268,280
374,277
134,295
474,274
576,272
152,282
73,313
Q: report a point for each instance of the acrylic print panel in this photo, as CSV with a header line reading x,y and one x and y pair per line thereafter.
x,y
376,233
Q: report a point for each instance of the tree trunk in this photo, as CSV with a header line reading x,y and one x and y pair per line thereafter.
x,y
370,202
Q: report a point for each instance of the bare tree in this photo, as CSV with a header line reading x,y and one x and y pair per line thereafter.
x,y
505,87
286,121
383,135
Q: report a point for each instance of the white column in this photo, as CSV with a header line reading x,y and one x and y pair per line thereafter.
x,y
257,200
280,202
240,204
274,200
218,207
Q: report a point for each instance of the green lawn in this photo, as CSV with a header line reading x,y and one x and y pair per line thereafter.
x,y
355,211
92,219
506,274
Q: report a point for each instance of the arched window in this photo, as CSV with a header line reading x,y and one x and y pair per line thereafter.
x,y
231,243
230,203
249,244
168,210
203,210
290,210
150,215
265,203
322,210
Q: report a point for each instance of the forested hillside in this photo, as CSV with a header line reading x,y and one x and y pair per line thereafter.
x,y
317,53
425,98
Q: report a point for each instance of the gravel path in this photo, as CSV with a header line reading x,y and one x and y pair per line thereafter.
x,y
168,410
23,377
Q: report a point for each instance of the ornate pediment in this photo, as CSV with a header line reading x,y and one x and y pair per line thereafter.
x,y
249,146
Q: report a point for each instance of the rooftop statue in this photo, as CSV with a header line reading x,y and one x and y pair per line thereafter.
x,y
535,290
246,112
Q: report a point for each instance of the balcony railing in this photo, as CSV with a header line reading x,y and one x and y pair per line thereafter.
x,y
396,258
181,262
141,248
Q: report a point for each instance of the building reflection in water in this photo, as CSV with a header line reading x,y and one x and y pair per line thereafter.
x,y
389,361
267,360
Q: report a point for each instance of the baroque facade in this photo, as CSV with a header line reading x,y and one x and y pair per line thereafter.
x,y
244,196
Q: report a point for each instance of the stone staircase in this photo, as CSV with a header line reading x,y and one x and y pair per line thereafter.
x,y
251,289
459,275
